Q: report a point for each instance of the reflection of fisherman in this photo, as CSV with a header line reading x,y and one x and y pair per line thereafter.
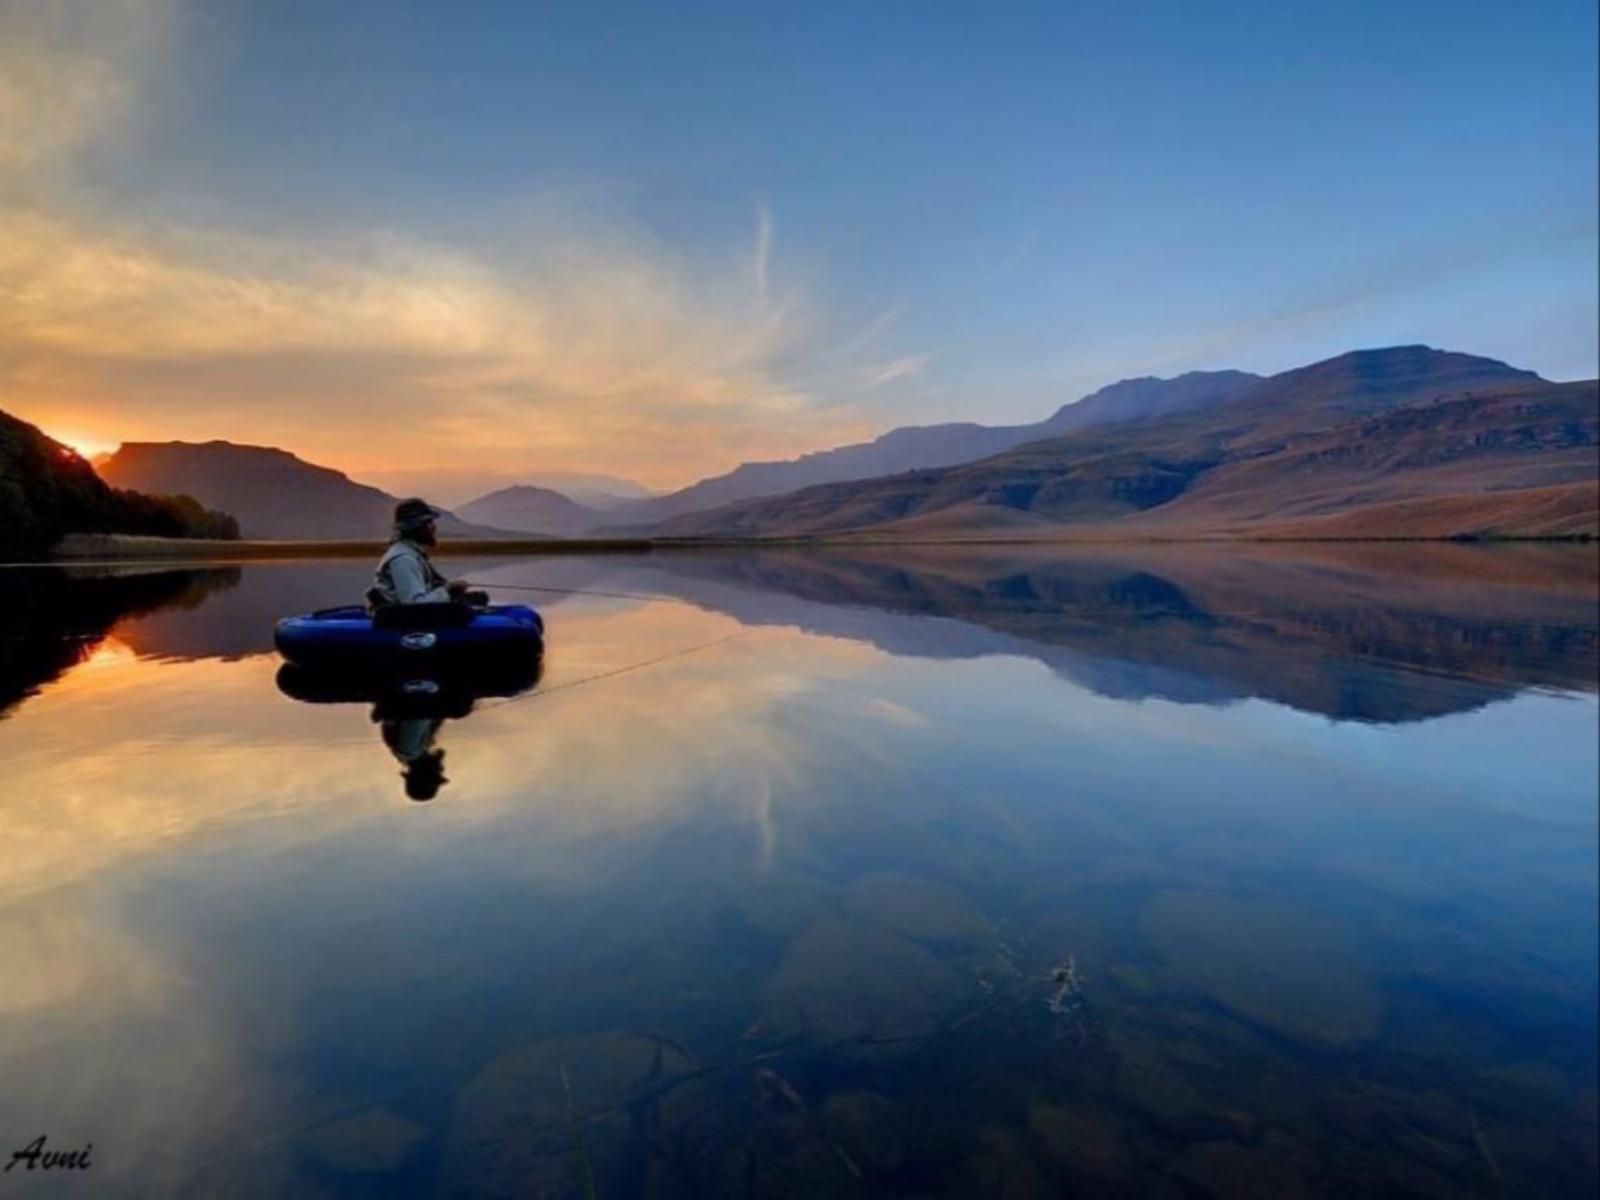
x,y
406,575
410,739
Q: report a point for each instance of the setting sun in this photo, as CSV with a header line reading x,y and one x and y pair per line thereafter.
x,y
87,447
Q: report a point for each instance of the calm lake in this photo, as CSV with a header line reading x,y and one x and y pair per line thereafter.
x,y
1178,872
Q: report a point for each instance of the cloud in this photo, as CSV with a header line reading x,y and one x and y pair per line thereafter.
x,y
899,368
607,342
581,345
895,713
762,260
69,71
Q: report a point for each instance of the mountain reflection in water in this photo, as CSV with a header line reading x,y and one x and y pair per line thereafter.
x,y
1380,634
984,872
51,620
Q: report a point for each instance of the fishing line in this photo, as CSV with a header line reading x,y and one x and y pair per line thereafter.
x,y
537,692
514,587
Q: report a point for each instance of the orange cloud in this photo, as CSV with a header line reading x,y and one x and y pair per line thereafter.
x,y
601,350
609,354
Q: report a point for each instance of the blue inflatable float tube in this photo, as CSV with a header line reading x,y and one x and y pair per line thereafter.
x,y
437,690
409,636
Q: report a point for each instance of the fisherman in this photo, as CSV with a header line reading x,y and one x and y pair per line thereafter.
x,y
406,575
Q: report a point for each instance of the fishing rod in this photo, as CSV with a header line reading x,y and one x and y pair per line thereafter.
x,y
516,587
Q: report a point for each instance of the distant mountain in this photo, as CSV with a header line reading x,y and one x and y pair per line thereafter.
x,y
1493,451
47,491
1358,384
602,492
532,509
918,446
273,493
1468,439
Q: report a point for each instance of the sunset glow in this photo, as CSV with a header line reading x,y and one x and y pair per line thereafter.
x,y
430,248
84,447
875,600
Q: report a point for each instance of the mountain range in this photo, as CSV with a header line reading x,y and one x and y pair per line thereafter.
x,y
1403,441
272,493
920,446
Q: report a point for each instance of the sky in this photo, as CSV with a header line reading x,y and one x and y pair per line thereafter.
x,y
447,247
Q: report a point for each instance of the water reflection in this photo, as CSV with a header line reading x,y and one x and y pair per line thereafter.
x,y
52,620
1368,633
409,710
952,875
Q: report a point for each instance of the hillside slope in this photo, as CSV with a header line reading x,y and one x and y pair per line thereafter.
x,y
600,492
48,491
1365,429
1529,437
915,447
273,493
532,510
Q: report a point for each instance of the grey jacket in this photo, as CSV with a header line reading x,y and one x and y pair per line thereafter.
x,y
405,576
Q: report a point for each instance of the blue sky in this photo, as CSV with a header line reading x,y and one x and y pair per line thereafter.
x,y
414,238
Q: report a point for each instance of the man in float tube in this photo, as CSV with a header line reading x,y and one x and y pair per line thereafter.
x,y
406,575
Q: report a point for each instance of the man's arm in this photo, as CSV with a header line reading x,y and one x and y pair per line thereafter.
x,y
411,582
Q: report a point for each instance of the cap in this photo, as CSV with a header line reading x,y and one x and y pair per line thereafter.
x,y
424,775
414,509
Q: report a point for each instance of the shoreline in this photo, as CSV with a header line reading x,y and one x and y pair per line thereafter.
x,y
88,548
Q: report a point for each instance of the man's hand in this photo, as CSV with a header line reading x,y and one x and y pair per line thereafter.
x,y
457,589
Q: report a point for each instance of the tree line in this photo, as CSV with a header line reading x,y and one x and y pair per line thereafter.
x,y
47,491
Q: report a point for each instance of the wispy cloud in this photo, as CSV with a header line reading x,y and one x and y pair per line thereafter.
x,y
592,346
590,355
899,368
761,260
68,73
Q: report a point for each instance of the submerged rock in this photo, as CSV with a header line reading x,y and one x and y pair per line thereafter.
x,y
784,903
787,1158
921,909
1003,1169
1295,972
868,1127
1163,1093
550,1117
1278,1169
1080,1144
840,980
375,1141
1133,979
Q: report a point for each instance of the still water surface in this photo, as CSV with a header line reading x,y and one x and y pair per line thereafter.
x,y
922,873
